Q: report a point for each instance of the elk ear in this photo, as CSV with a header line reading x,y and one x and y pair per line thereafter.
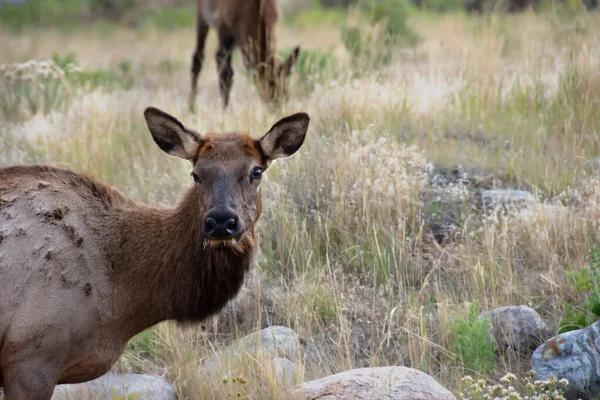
x,y
288,64
170,134
285,137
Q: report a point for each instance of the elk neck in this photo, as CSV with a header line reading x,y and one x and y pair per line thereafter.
x,y
167,269
259,49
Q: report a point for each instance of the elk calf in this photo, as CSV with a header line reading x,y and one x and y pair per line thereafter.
x,y
249,24
83,269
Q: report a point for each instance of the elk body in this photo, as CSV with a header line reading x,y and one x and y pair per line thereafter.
x,y
83,269
248,24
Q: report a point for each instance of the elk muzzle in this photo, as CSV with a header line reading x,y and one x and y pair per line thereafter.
x,y
222,225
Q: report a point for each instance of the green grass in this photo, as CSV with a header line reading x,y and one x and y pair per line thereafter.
x,y
472,343
35,13
586,282
315,16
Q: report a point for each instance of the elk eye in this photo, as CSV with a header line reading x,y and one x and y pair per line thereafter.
x,y
256,173
196,177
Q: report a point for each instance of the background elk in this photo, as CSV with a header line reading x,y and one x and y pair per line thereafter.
x,y
250,25
83,269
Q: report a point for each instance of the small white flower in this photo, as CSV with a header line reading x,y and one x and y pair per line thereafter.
x,y
564,382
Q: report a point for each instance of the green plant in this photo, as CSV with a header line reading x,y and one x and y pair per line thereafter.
x,y
32,87
314,66
234,388
315,16
474,347
143,344
587,280
394,15
123,78
371,43
169,18
18,15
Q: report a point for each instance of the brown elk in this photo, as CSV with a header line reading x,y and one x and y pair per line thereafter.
x,y
83,269
250,25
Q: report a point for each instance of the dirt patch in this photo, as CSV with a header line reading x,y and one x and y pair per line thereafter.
x,y
56,214
73,235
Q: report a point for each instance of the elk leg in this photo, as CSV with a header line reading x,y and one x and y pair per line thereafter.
x,y
224,69
197,58
28,381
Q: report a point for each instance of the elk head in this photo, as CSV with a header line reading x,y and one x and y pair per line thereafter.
x,y
273,79
227,171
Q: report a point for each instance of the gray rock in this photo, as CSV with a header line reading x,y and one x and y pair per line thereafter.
x,y
285,370
274,341
142,387
517,327
575,356
505,197
383,383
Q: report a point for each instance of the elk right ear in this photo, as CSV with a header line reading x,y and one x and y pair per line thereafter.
x,y
170,134
285,137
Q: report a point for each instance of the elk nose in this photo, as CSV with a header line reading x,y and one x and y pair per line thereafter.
x,y
220,225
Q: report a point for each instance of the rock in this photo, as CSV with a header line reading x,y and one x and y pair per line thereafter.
x,y
517,327
574,356
274,341
505,197
383,383
285,370
114,385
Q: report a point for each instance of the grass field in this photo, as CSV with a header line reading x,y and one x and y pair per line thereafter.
x,y
350,249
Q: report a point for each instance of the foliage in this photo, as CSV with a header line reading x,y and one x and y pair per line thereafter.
x,y
66,14
169,18
111,8
18,15
394,15
474,347
36,86
386,27
313,66
143,344
507,388
587,280
45,86
234,388
315,16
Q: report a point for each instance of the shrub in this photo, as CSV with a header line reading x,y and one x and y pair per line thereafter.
x,y
45,86
18,15
314,66
394,15
34,86
168,18
113,9
585,281
474,347
386,28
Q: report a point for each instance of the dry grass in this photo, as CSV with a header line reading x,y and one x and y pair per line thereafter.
x,y
348,256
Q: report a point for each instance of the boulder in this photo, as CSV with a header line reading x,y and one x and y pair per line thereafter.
x,y
285,370
274,341
383,383
112,385
574,356
506,197
517,327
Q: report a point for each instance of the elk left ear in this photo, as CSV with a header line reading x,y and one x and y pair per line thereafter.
x,y
288,64
285,137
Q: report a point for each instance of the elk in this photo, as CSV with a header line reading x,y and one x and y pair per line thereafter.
x,y
249,24
83,268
